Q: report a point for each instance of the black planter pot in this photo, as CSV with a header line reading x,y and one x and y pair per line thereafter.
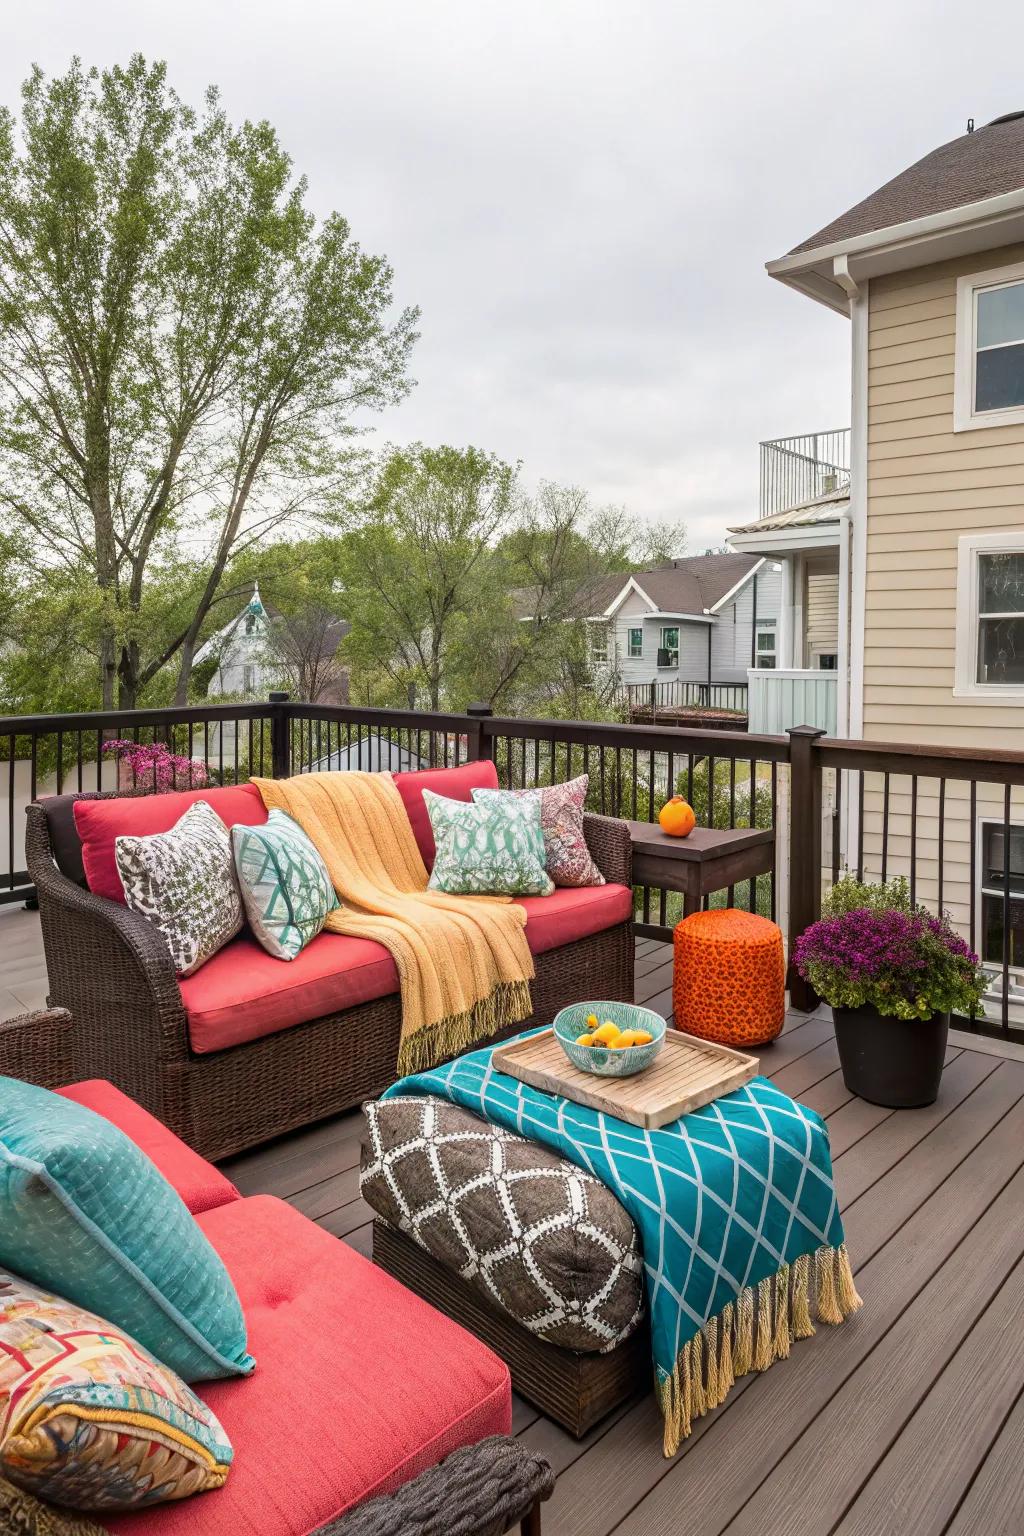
x,y
895,1062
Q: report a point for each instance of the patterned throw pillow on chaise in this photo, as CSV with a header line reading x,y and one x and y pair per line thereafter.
x,y
22,1514
566,854
487,850
285,885
184,882
90,1419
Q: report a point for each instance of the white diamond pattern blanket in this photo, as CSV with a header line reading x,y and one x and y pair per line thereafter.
x,y
736,1208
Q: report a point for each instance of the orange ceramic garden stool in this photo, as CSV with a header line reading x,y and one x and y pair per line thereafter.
x,y
729,981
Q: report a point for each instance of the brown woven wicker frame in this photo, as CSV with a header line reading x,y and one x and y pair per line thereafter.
x,y
111,968
576,1390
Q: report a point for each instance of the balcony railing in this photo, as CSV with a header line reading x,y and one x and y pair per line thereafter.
x,y
799,469
949,820
792,696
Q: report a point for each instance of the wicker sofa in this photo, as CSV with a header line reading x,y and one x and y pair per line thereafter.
x,y
197,1063
289,1274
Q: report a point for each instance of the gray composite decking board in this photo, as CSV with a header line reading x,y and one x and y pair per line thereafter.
x,y
323,1198
941,1447
994,1503
828,1095
716,1470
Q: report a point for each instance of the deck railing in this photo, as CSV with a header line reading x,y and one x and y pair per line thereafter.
x,y
799,469
950,820
677,694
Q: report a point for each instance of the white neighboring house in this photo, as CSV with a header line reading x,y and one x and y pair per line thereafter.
x,y
699,619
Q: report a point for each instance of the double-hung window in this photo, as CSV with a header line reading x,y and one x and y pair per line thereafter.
x,y
1001,904
989,379
668,652
634,643
990,617
764,645
599,643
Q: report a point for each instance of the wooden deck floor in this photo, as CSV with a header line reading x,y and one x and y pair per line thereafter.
x,y
908,1419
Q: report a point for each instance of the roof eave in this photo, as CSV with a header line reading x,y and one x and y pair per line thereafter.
x,y
957,231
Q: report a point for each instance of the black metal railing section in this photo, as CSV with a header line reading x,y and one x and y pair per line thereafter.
x,y
649,699
951,821
798,469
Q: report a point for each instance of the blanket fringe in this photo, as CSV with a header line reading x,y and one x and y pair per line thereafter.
x,y
754,1332
510,1003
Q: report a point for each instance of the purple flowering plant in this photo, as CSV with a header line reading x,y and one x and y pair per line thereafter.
x,y
872,946
157,767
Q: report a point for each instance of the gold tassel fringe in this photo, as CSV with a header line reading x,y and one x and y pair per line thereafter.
x,y
508,1004
732,1344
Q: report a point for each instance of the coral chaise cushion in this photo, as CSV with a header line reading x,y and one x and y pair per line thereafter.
x,y
242,993
200,1185
360,1386
453,783
99,822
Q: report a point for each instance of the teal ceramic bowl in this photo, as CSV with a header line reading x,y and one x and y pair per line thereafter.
x,y
599,1059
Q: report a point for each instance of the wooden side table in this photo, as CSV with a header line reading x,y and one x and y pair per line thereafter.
x,y
709,859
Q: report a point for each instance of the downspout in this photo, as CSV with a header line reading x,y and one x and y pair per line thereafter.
x,y
753,623
857,542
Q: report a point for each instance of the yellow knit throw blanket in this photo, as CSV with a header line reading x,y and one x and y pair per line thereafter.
x,y
463,962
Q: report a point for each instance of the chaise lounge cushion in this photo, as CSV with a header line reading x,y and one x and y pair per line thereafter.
x,y
361,1385
100,822
454,783
242,993
200,1185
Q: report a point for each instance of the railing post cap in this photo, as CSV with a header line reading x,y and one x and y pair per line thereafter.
x,y
479,709
806,732
279,696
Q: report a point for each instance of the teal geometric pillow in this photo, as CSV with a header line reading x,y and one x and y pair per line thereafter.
x,y
84,1212
286,889
487,850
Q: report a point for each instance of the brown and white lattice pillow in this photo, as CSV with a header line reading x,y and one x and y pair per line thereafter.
x,y
533,1234
184,882
566,855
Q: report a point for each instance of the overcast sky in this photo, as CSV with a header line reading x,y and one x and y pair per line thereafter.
x,y
581,197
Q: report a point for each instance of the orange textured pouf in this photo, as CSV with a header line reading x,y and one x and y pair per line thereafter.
x,y
729,981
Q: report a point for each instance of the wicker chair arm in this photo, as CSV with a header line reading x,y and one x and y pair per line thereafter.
x,y
610,846
481,1490
102,927
36,1047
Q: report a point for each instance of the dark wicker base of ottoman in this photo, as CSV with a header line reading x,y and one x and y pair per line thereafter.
x,y
576,1390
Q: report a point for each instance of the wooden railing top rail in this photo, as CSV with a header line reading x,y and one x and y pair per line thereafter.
x,y
396,719
109,719
995,766
645,738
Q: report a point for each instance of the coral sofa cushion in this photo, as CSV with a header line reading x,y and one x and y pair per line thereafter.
x,y
85,1214
571,913
200,1185
454,783
360,1387
243,993
100,822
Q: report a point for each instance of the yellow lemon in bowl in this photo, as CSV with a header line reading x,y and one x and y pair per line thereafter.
x,y
607,1034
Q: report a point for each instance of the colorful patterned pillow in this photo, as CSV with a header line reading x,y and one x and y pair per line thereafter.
x,y
23,1515
286,889
184,882
487,850
88,1418
566,855
84,1212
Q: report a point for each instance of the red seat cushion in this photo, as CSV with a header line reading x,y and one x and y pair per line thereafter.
x,y
99,822
242,993
199,1183
574,913
455,783
359,1385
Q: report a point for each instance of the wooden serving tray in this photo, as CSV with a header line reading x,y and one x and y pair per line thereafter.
x,y
687,1074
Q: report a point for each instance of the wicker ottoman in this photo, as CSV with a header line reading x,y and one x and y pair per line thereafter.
x,y
729,978
526,1250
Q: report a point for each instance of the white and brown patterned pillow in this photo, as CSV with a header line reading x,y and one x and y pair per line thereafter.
x,y
536,1236
184,882
566,854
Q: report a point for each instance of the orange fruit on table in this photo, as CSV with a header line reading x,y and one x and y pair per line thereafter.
x,y
676,817
606,1034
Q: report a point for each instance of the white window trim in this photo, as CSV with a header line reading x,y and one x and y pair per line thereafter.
x,y
632,629
669,666
965,419
995,967
969,547
766,627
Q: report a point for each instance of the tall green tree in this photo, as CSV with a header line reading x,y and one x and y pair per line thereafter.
x,y
182,347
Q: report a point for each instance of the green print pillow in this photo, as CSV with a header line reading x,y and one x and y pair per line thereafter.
x,y
285,886
487,850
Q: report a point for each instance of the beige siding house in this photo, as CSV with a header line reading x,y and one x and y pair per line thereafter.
x,y
930,601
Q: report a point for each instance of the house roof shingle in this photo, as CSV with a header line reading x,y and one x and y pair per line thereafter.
x,y
692,584
982,164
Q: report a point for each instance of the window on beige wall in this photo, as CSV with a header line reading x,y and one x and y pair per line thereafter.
x,y
990,617
989,380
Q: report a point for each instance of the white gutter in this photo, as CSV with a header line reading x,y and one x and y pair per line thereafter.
x,y
782,540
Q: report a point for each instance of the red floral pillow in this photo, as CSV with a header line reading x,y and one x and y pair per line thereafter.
x,y
561,817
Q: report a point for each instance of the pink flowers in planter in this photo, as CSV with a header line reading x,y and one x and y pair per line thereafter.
x,y
156,767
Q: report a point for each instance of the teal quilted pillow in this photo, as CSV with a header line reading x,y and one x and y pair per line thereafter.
x,y
487,850
286,889
84,1212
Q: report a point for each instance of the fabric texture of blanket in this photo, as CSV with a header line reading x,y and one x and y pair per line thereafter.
x,y
463,962
737,1213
